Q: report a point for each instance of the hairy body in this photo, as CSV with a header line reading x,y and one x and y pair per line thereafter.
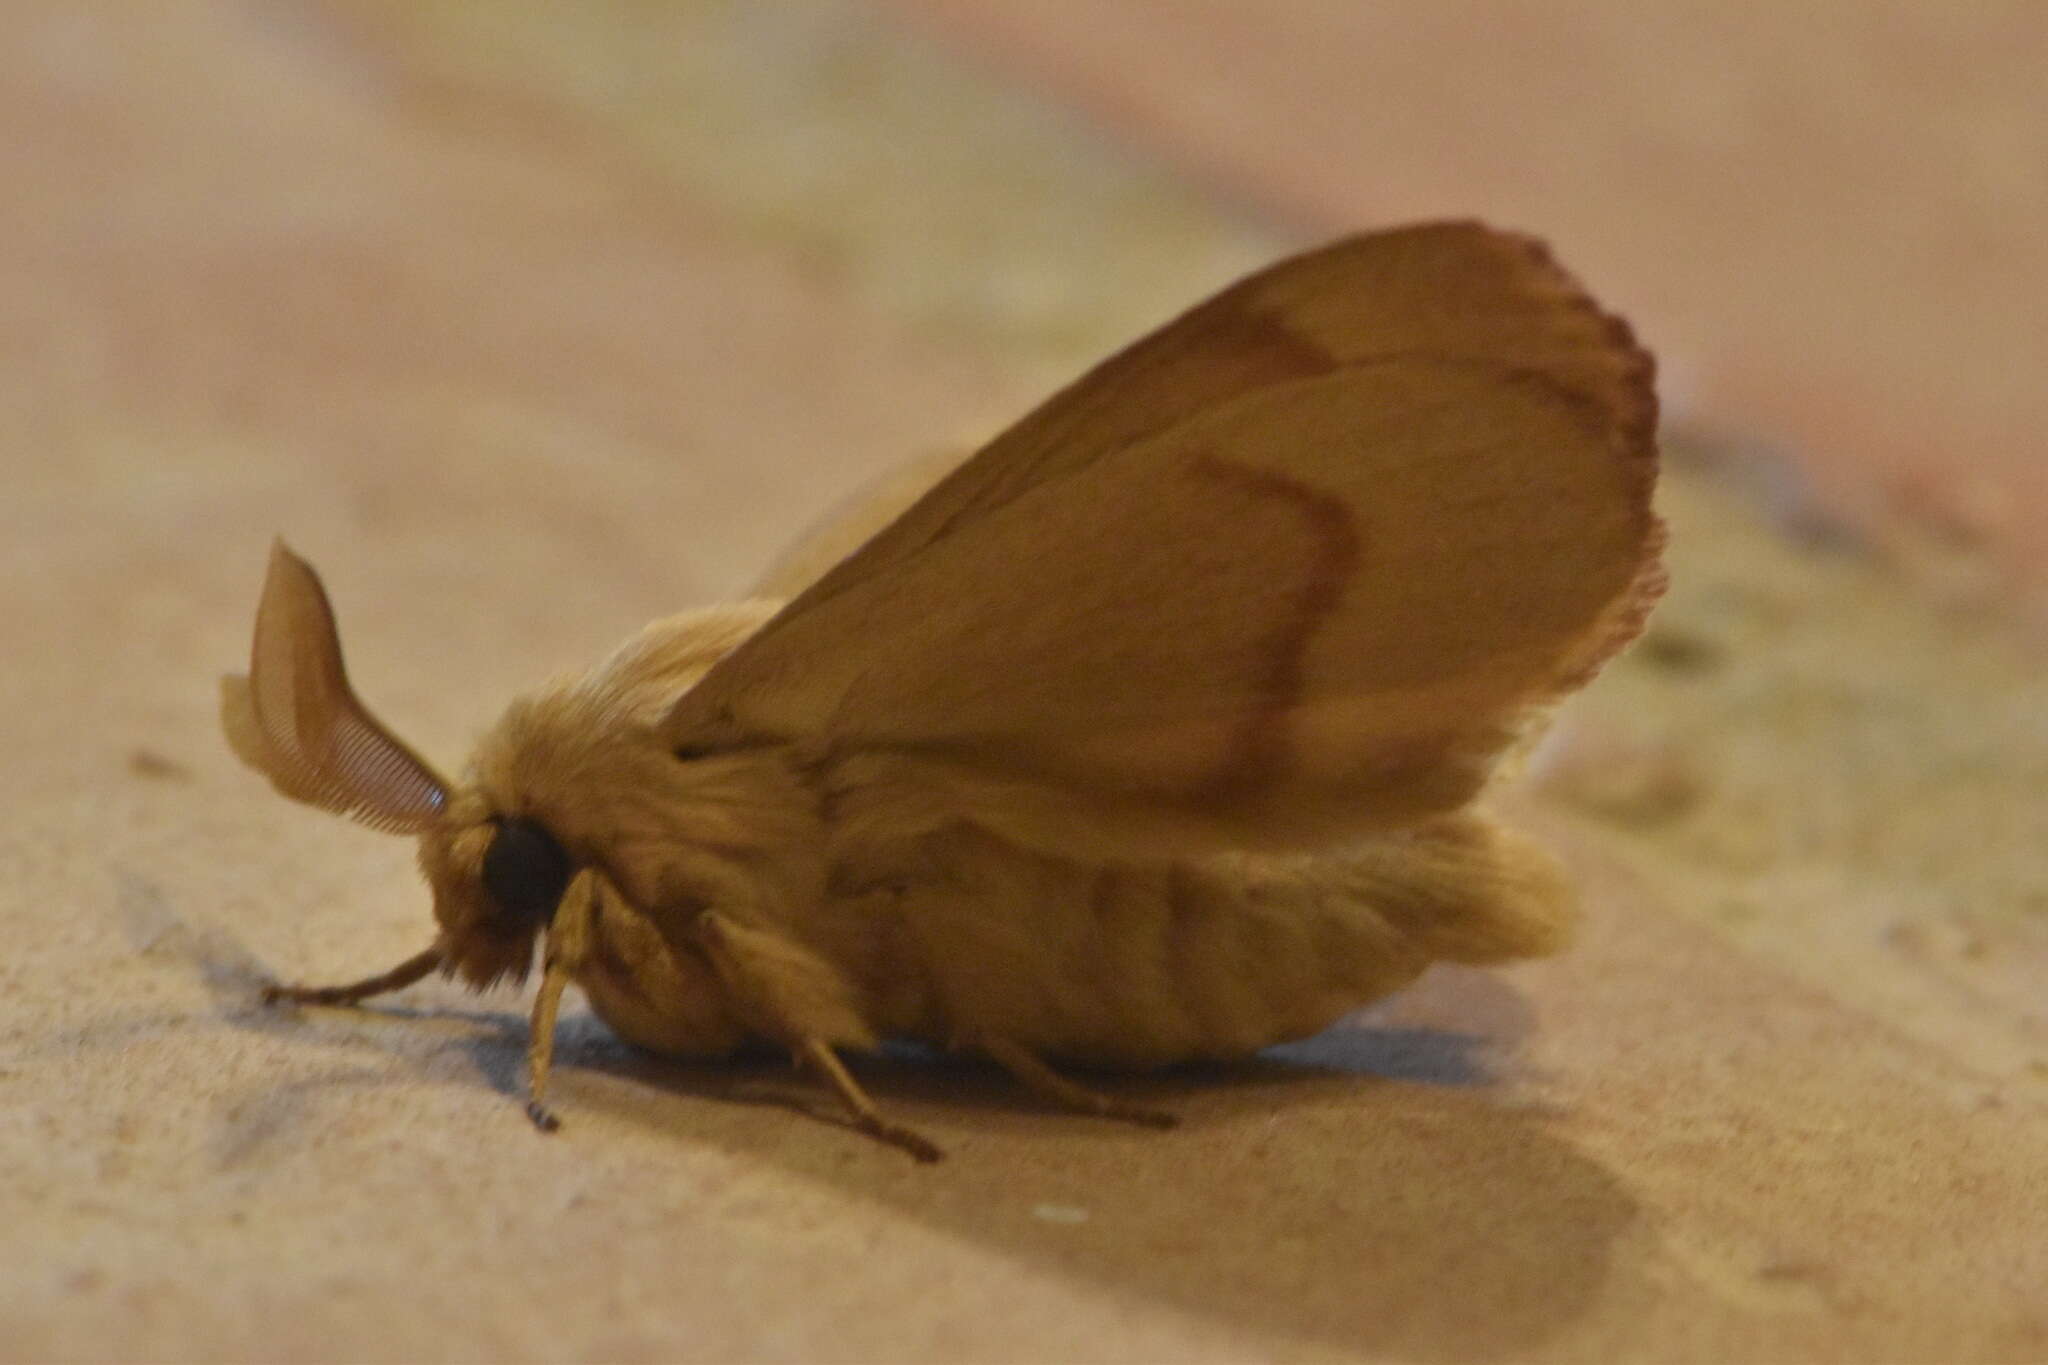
x,y
957,935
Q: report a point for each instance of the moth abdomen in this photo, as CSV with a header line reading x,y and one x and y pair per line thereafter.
x,y
1146,964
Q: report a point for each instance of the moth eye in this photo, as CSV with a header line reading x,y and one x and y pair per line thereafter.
x,y
526,872
686,752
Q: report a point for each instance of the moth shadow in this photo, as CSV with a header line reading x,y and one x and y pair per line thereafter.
x,y
1384,1187
970,1092
1390,1186
255,1118
492,1044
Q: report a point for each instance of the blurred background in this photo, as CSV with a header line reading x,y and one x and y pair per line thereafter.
x,y
531,321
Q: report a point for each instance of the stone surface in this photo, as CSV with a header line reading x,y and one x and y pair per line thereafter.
x,y
518,368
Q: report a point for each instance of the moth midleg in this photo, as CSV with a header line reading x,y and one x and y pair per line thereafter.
x,y
821,1058
791,995
568,942
1041,1080
399,977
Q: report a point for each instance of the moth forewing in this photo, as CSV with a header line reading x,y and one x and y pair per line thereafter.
x,y
1147,733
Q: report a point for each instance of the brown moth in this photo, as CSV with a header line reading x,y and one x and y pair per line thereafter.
x,y
1151,732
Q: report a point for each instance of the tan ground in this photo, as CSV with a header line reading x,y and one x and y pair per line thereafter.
x,y
526,331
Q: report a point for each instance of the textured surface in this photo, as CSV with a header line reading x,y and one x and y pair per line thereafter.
x,y
519,365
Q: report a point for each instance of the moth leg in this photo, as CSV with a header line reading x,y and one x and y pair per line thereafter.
x,y
818,1054
1042,1081
789,994
567,944
404,974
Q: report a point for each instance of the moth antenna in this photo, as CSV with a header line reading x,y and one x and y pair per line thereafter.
x,y
295,719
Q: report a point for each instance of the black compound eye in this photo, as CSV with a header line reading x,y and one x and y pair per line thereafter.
x,y
526,872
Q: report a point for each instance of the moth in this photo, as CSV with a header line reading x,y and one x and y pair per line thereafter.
x,y
1157,730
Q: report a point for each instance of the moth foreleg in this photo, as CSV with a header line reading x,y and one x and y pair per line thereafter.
x,y
568,943
788,993
399,977
1042,1081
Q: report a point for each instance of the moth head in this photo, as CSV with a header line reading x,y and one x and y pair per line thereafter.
x,y
295,719
496,880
